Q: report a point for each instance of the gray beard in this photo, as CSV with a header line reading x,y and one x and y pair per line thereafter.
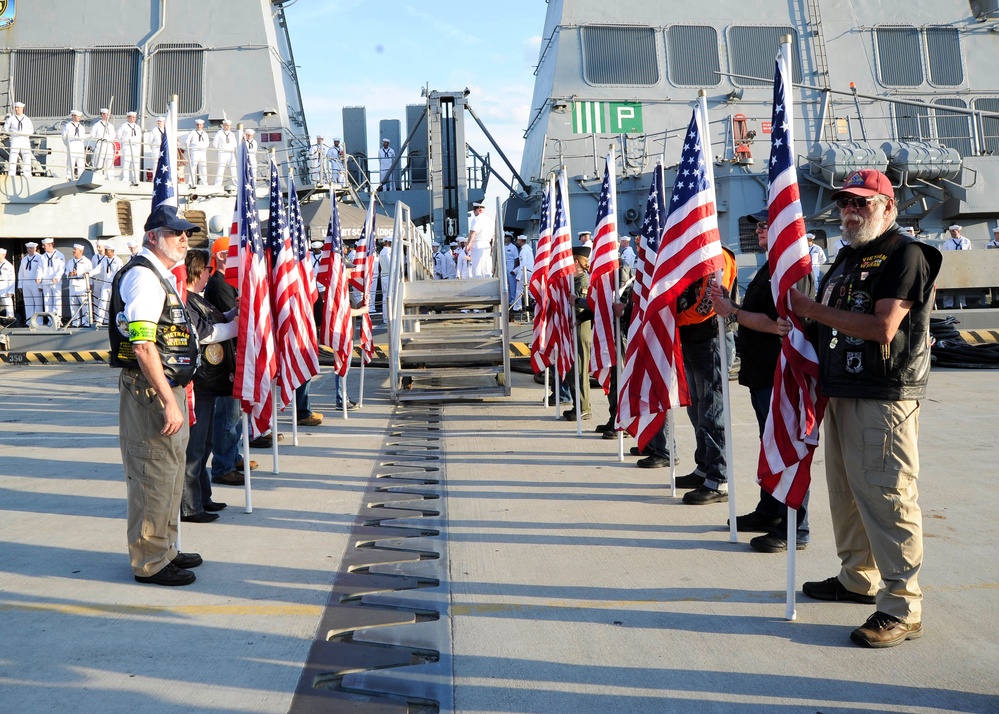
x,y
862,234
176,255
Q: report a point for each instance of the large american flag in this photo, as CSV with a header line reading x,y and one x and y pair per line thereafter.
x,y
690,249
539,282
165,178
298,359
603,274
796,408
256,358
300,247
561,315
337,330
361,276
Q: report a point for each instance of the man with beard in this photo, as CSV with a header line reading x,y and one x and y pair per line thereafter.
x,y
872,320
154,343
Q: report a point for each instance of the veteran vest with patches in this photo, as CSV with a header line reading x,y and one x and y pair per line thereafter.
x,y
176,341
864,369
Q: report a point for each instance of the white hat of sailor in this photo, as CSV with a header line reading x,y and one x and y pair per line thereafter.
x,y
996,229
227,122
19,104
79,246
132,243
159,119
47,240
104,110
316,244
109,246
954,227
101,243
809,237
30,244
76,113
132,114
251,132
478,204
3,251
199,121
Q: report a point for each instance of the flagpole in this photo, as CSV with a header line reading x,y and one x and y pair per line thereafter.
x,y
615,320
564,186
247,493
343,383
294,420
274,427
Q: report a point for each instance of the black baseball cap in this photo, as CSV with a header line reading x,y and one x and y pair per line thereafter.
x,y
166,217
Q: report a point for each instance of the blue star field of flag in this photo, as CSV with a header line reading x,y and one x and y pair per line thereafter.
x,y
780,152
278,220
654,209
545,209
333,230
249,220
164,186
690,174
603,207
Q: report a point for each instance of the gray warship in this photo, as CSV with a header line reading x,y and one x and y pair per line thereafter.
x,y
906,88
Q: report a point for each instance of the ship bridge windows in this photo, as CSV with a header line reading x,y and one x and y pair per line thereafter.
x,y
692,56
177,69
619,55
990,125
752,51
112,72
43,80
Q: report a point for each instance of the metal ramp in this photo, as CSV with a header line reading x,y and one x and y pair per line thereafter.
x,y
448,339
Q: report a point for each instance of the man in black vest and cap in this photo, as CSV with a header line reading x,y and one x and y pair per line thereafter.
x,y
872,318
156,347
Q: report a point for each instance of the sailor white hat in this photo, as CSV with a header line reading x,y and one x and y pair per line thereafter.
x,y
101,243
31,244
521,237
109,246
462,239
337,139
132,114
226,122
385,141
161,119
585,233
251,132
19,104
199,121
105,110
624,238
954,227
809,236
79,245
996,229
320,136
478,204
3,251
316,244
132,243
47,240
76,113
453,244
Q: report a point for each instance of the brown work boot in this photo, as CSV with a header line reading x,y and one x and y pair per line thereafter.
x,y
883,630
233,478
312,419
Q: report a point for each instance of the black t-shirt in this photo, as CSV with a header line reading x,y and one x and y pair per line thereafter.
x,y
906,276
220,293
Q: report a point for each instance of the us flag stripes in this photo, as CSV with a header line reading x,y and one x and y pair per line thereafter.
x,y
690,249
256,361
361,276
792,430
337,331
603,273
559,348
539,282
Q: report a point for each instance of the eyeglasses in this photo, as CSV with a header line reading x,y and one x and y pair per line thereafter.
x,y
170,233
761,226
856,201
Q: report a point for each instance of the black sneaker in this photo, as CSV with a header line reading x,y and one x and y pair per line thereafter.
x,y
635,451
187,560
832,589
653,462
754,522
691,480
702,496
570,415
604,428
169,575
612,434
773,543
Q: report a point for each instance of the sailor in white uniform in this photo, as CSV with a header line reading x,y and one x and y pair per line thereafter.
x,y
19,128
224,144
627,259
585,239
49,276
337,155
994,243
463,263
817,255
384,274
481,230
449,269
511,250
318,162
7,285
386,156
197,143
78,271
103,136
153,141
251,149
74,135
525,268
27,278
956,240
102,274
134,247
130,138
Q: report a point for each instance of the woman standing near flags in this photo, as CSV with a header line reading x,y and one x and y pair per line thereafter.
x,y
759,349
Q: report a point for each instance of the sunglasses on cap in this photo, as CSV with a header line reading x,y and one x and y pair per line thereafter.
x,y
855,201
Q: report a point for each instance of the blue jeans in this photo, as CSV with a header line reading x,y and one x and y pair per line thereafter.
x,y
197,485
769,506
338,385
226,434
702,363
302,399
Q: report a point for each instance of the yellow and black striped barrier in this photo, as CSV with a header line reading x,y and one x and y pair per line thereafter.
x,y
980,337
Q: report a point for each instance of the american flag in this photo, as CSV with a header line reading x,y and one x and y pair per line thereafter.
x,y
361,276
256,358
337,330
561,315
796,408
300,247
298,360
165,180
603,274
539,282
690,249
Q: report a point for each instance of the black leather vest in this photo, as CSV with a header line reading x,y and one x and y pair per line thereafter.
x,y
864,369
176,340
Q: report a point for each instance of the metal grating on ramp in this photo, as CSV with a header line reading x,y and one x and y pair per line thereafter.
x,y
383,645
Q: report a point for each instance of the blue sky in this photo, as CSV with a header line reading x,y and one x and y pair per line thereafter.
x,y
380,54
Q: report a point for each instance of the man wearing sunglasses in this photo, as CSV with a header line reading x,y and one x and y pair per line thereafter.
x,y
872,317
155,345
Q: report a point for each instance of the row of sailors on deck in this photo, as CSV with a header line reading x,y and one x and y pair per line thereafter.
x,y
40,279
133,145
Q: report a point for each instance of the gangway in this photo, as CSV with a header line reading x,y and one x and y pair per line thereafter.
x,y
448,339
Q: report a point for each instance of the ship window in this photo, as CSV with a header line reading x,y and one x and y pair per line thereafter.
x,y
752,53
953,129
899,61
912,123
990,125
177,69
943,50
112,72
620,55
43,80
692,55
